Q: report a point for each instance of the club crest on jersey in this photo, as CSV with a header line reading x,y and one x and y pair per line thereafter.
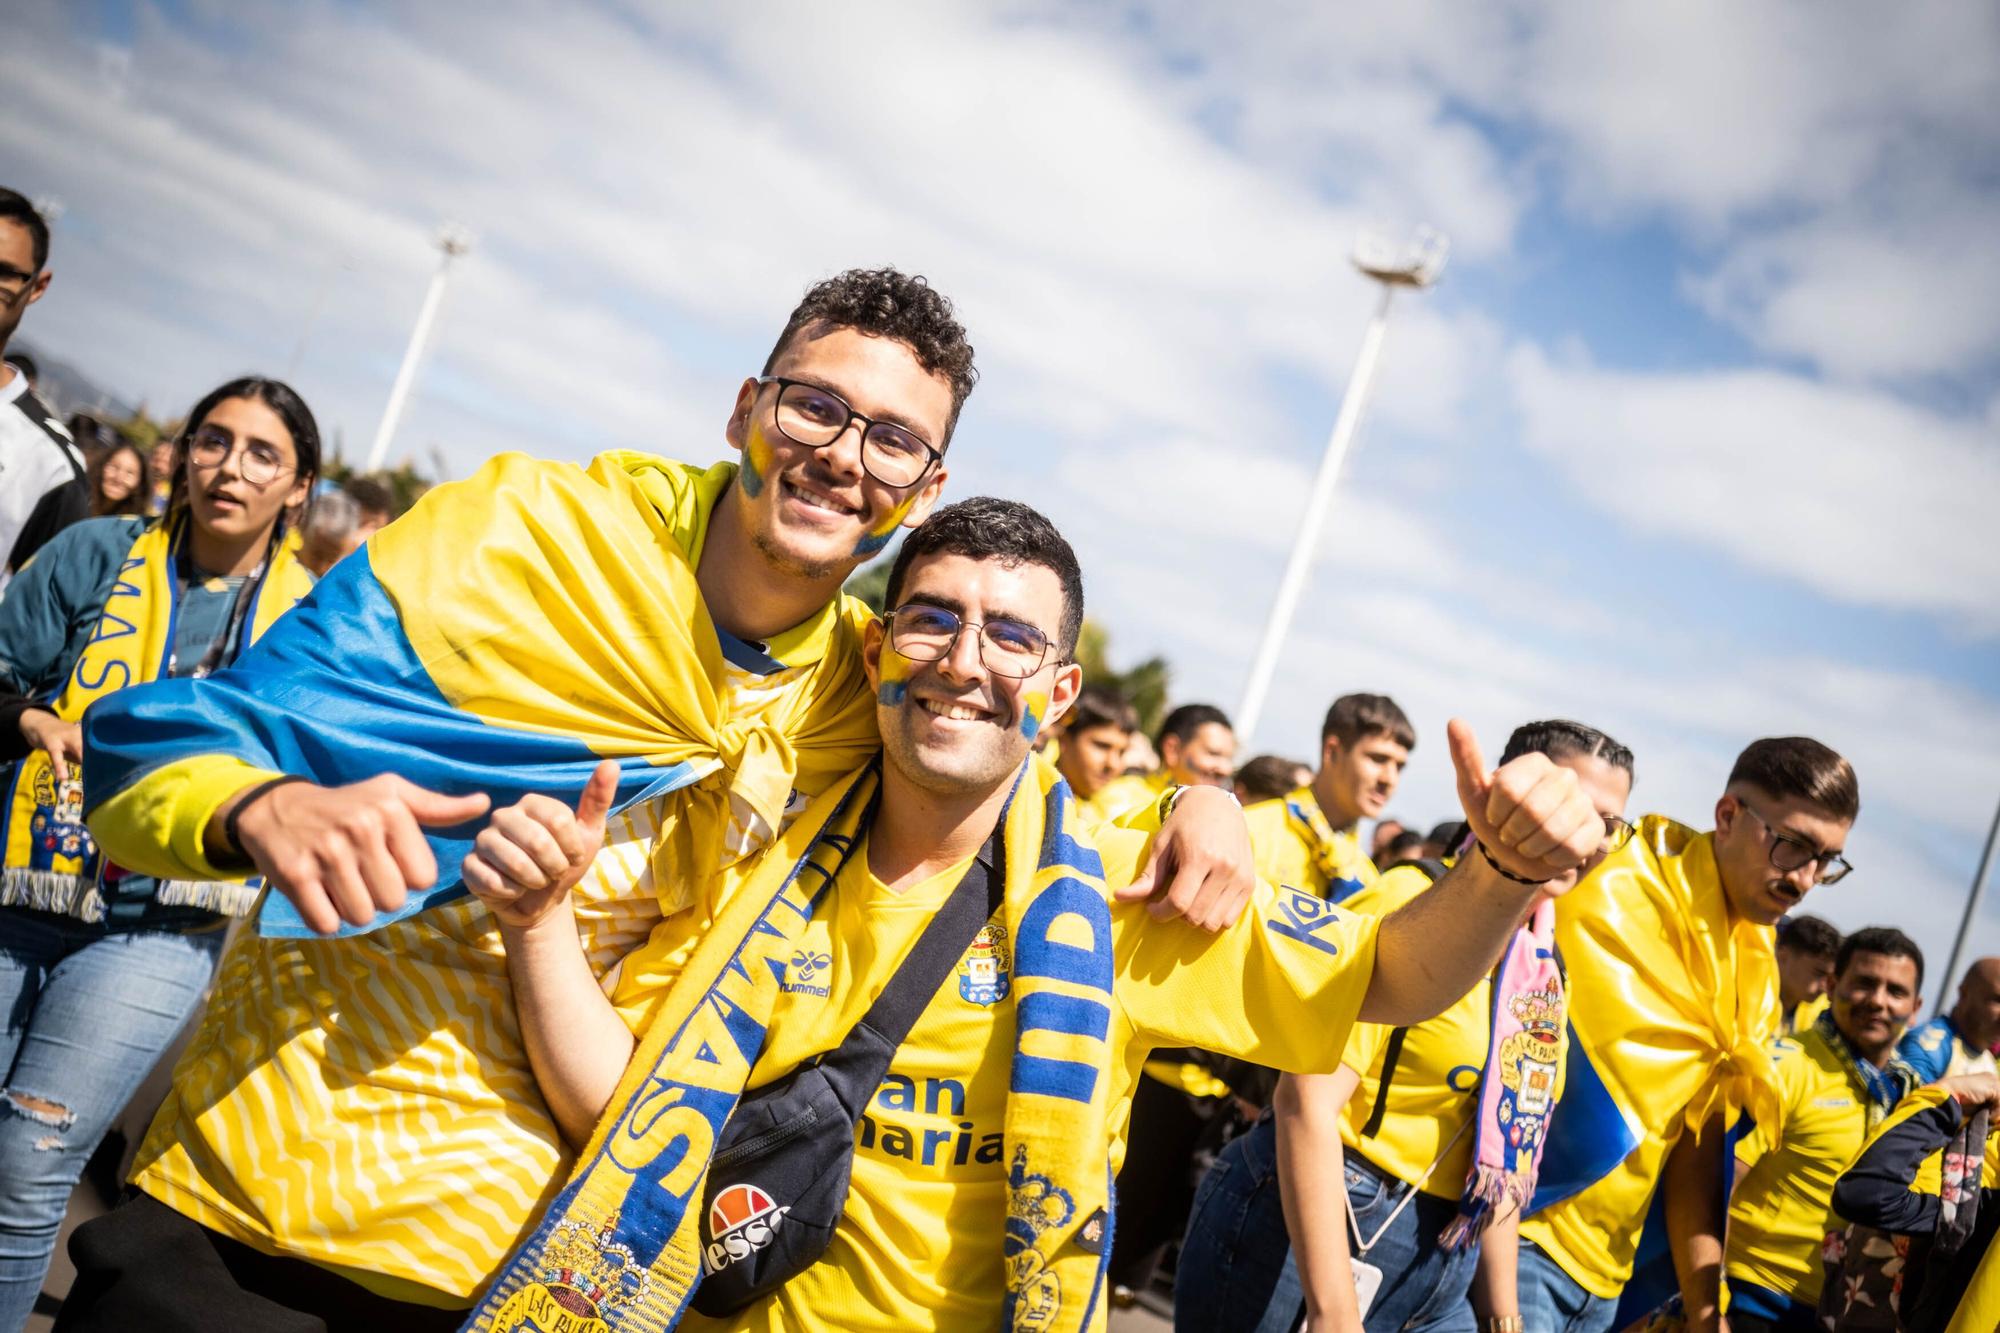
x,y
1304,917
742,1220
982,972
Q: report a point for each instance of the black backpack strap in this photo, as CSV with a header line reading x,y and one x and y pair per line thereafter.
x,y
937,951
1381,1107
1433,871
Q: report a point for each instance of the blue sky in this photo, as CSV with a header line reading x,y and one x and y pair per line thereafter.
x,y
1695,441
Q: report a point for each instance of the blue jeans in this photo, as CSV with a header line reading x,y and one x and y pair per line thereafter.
x,y
1236,1269
1553,1302
87,1011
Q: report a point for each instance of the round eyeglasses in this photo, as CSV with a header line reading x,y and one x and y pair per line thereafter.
x,y
816,417
260,463
925,633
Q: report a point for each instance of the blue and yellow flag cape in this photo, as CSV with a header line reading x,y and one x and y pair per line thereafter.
x,y
503,637
620,1246
1672,1004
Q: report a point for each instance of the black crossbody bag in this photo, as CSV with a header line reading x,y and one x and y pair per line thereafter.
x,y
777,1183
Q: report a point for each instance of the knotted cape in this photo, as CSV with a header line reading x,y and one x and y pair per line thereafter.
x,y
504,636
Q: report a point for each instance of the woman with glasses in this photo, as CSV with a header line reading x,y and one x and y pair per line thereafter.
x,y
1381,1196
100,968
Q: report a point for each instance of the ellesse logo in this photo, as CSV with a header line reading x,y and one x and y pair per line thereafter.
x,y
741,1222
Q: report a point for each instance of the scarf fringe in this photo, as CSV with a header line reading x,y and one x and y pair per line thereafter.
x,y
1490,1195
55,891
226,897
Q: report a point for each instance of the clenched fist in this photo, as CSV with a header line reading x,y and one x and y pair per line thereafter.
x,y
1533,817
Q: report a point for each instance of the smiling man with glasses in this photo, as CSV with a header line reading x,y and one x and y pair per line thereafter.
x,y
1673,983
510,631
42,484
981,1136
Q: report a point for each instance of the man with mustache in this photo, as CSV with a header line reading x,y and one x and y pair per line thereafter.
x,y
1837,1081
1674,995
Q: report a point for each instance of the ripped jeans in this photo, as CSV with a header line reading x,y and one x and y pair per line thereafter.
x,y
85,1010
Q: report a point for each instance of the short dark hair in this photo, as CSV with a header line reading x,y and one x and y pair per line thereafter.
x,y
1409,840
1559,738
1885,940
986,528
1356,715
281,398
1186,720
1102,706
17,207
891,304
1265,777
1809,935
370,495
1800,766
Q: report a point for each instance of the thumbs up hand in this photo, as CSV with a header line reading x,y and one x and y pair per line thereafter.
x,y
530,855
1531,815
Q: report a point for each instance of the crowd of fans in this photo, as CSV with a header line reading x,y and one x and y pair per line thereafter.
x,y
584,832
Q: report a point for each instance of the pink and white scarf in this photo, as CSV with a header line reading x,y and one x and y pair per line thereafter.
x,y
1517,1091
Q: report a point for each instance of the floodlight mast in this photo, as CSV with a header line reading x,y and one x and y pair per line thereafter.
x,y
1415,263
453,241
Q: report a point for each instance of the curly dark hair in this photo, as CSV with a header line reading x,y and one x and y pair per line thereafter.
x,y
987,528
895,305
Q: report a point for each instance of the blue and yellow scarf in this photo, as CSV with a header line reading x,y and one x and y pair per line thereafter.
x,y
51,862
619,1248
503,637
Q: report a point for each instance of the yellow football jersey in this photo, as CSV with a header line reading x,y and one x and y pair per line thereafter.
x,y
919,1242
1434,1092
1783,1209
1288,853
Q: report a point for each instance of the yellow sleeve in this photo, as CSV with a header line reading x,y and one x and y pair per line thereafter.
x,y
1271,839
1281,987
638,982
156,825
1364,1046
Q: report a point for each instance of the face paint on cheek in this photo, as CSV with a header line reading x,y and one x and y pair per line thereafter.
x,y
878,536
1034,707
896,671
757,455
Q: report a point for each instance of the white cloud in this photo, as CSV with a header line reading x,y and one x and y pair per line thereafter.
x,y
1855,494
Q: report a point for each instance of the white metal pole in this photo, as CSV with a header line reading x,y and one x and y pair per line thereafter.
x,y
399,392
1971,910
1292,585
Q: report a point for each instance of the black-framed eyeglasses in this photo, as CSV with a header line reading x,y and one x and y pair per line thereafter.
x,y
926,633
260,463
13,281
815,417
1789,852
1617,832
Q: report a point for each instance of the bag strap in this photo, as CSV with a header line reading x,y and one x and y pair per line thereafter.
x,y
1433,871
937,951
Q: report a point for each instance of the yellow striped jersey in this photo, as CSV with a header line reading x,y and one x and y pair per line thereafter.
x,y
367,1103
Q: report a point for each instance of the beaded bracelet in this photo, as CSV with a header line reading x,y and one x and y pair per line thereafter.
x,y
1504,872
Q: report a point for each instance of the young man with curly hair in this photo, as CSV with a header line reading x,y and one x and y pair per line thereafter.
x,y
355,1133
